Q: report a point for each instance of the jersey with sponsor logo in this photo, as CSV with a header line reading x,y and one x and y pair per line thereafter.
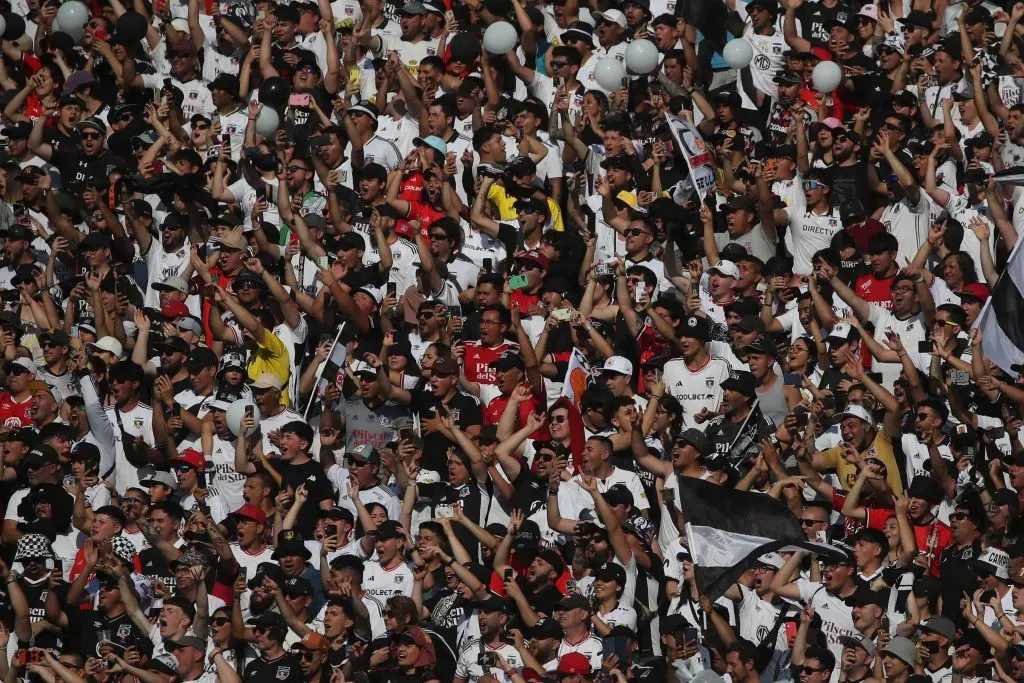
x,y
696,389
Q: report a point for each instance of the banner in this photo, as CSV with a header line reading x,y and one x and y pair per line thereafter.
x,y
577,377
332,370
695,152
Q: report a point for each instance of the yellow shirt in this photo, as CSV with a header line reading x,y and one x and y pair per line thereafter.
x,y
271,356
880,448
506,205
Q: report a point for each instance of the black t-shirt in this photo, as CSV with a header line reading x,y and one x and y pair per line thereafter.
x,y
725,436
319,488
958,578
155,567
531,492
284,668
849,182
77,170
122,632
465,411
470,494
35,597
814,16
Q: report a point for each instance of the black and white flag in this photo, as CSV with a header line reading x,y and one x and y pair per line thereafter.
x,y
1002,319
727,530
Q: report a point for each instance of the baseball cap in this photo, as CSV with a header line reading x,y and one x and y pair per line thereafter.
x,y
694,327
619,365
858,412
192,458
253,512
612,16
741,381
506,361
268,380
725,268
574,664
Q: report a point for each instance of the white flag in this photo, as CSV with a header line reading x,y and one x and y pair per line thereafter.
x,y
695,151
577,376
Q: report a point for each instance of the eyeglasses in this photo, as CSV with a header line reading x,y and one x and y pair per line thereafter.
x,y
438,236
220,621
489,322
811,522
864,21
937,322
544,457
90,136
388,613
633,232
959,516
260,629
558,65
307,69
812,185
891,126
529,265
49,345
292,168
809,670
559,419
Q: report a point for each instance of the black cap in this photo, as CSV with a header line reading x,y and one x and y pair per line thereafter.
x,y
788,77
374,170
762,345
741,381
919,18
611,572
508,360
618,494
547,627
290,543
694,327
202,357
866,596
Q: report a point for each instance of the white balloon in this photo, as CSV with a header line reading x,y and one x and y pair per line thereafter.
x,y
268,122
642,57
737,53
3,25
500,38
826,77
236,411
610,74
73,16
56,26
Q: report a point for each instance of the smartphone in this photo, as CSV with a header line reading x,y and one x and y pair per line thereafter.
x,y
392,289
167,84
225,139
488,268
353,75
925,346
802,418
243,571
250,411
319,140
487,659
298,100
100,34
444,511
201,479
404,433
669,496
261,194
322,262
691,634
638,294
561,314
518,282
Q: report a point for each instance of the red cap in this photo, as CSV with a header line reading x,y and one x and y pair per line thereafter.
x,y
975,290
536,257
574,663
253,512
175,309
191,456
822,54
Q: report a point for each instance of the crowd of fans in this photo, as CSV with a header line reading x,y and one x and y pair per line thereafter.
x,y
337,348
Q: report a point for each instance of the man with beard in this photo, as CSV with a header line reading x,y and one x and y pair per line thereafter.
x,y
57,369
274,663
16,402
967,523
42,465
428,327
312,652
367,418
166,257
737,433
162,537
828,598
81,164
17,252
127,429
450,606
492,615
535,593
787,108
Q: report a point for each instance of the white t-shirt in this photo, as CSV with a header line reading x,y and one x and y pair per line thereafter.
x,y
696,389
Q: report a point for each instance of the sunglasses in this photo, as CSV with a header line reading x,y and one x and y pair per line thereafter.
x,y
247,285
812,185
633,232
526,209
260,629
811,522
544,457
305,655
529,266
559,419
923,416
89,136
220,621
424,315
960,516
182,469
558,65
438,236
891,126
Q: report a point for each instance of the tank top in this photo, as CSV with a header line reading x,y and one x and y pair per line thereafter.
x,y
773,401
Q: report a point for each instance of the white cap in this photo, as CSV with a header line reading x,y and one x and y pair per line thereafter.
x,y
360,366
268,380
772,560
997,561
857,411
726,268
26,363
840,331
618,364
869,11
110,345
613,15
370,290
